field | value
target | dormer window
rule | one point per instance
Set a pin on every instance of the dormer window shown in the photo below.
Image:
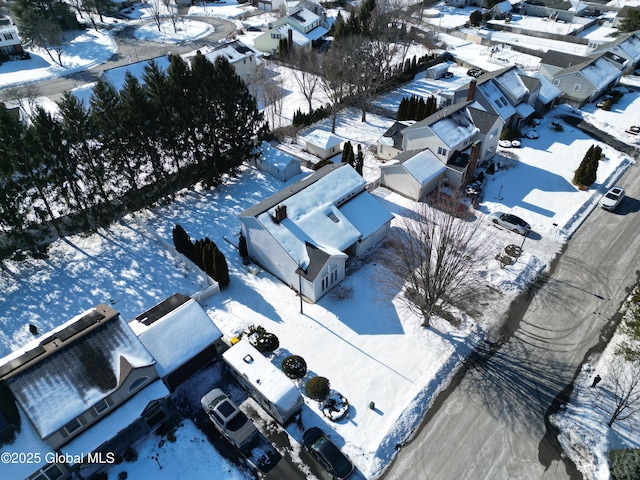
(138, 383)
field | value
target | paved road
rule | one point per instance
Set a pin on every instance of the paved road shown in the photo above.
(494, 425)
(131, 49)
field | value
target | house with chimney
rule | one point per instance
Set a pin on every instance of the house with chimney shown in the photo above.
(507, 92)
(444, 147)
(308, 233)
(300, 29)
(581, 79)
(89, 386)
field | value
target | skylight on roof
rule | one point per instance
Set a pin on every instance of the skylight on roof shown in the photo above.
(333, 217)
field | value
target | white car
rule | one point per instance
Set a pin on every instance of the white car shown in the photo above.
(505, 143)
(515, 143)
(612, 198)
(510, 222)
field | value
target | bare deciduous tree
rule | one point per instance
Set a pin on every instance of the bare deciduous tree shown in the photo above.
(306, 73)
(334, 78)
(435, 259)
(270, 95)
(624, 381)
(155, 10)
(25, 96)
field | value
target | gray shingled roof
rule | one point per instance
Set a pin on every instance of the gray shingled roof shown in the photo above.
(482, 119)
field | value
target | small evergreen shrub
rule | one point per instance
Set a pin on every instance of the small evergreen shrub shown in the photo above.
(123, 475)
(171, 436)
(321, 164)
(317, 388)
(262, 340)
(294, 366)
(625, 464)
(130, 454)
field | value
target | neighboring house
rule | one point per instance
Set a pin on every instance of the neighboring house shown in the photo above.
(115, 77)
(245, 60)
(451, 130)
(547, 96)
(622, 14)
(66, 382)
(307, 233)
(500, 10)
(556, 10)
(180, 337)
(626, 46)
(300, 29)
(9, 40)
(277, 163)
(321, 143)
(459, 137)
(507, 92)
(269, 5)
(583, 81)
(413, 173)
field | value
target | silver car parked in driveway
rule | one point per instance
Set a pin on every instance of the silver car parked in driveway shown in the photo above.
(510, 222)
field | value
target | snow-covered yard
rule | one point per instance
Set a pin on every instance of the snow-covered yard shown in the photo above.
(365, 344)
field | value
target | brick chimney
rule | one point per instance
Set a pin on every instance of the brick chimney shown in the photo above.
(472, 90)
(474, 156)
(281, 213)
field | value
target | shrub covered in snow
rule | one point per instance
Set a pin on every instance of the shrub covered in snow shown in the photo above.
(317, 388)
(335, 407)
(294, 366)
(262, 340)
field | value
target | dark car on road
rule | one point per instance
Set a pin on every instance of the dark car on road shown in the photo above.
(327, 453)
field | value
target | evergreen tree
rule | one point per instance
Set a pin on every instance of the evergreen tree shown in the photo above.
(221, 268)
(580, 176)
(359, 163)
(431, 105)
(403, 109)
(208, 253)
(631, 22)
(347, 151)
(421, 110)
(182, 242)
(412, 108)
(591, 170)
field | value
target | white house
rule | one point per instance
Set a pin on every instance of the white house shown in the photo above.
(9, 40)
(180, 337)
(626, 46)
(68, 380)
(300, 29)
(277, 163)
(306, 233)
(413, 174)
(321, 143)
(245, 60)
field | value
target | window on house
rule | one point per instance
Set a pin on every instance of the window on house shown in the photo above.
(442, 151)
(101, 406)
(8, 36)
(578, 87)
(72, 426)
(50, 472)
(556, 82)
(325, 283)
(138, 383)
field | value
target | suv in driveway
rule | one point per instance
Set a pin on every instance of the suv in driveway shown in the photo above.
(327, 453)
(612, 198)
(228, 418)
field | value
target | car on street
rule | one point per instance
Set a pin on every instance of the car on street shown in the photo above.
(612, 198)
(510, 222)
(327, 453)
(228, 418)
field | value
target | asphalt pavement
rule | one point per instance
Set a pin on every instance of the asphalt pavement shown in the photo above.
(493, 421)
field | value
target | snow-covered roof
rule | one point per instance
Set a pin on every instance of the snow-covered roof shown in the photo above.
(316, 33)
(261, 373)
(298, 38)
(502, 7)
(232, 51)
(366, 213)
(178, 336)
(322, 138)
(276, 157)
(548, 91)
(424, 166)
(78, 374)
(120, 418)
(631, 47)
(305, 17)
(454, 129)
(512, 83)
(524, 110)
(313, 216)
(499, 102)
(116, 76)
(601, 73)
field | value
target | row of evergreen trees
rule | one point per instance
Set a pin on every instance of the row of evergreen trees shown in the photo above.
(416, 108)
(204, 253)
(180, 125)
(586, 173)
(348, 156)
